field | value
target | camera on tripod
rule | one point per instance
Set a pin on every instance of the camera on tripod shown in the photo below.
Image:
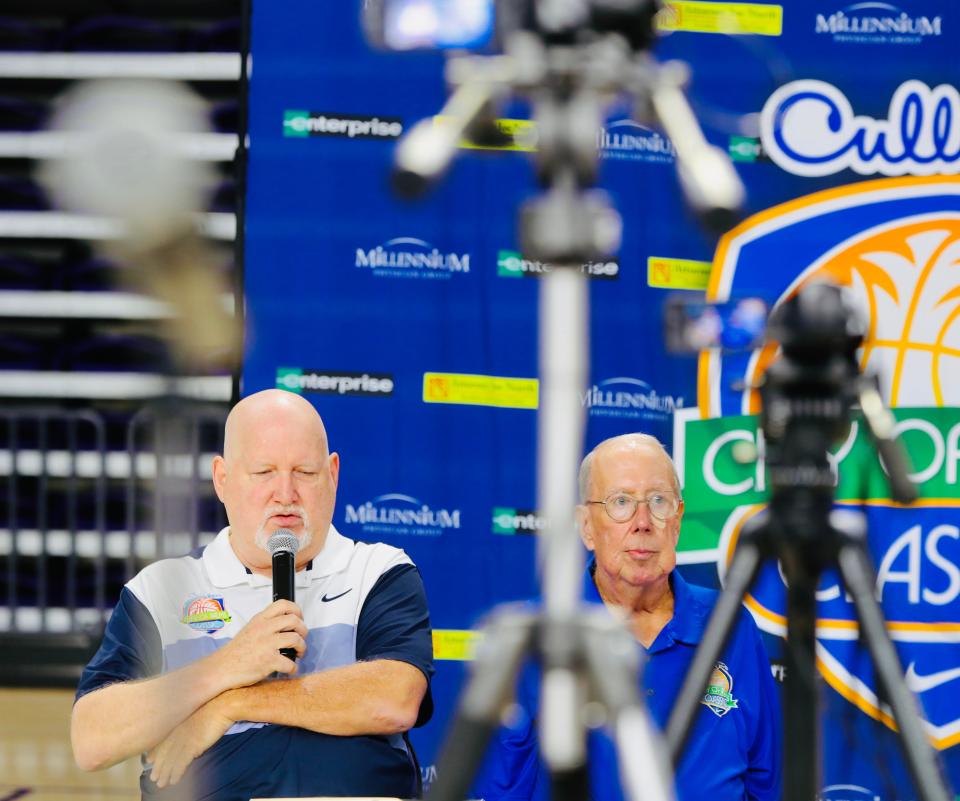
(485, 24)
(808, 395)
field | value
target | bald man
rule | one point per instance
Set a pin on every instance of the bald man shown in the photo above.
(185, 674)
(629, 515)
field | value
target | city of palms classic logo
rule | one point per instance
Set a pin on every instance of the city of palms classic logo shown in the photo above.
(895, 245)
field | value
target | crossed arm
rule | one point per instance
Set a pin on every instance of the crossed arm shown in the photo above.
(378, 697)
(178, 715)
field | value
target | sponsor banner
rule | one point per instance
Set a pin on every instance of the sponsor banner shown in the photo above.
(326, 382)
(877, 23)
(511, 264)
(409, 257)
(746, 149)
(623, 139)
(457, 645)
(481, 390)
(508, 520)
(629, 399)
(395, 513)
(762, 19)
(879, 223)
(810, 128)
(847, 792)
(350, 126)
(667, 273)
(717, 481)
(519, 135)
(628, 140)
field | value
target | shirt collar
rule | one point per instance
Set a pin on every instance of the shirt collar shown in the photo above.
(226, 570)
(690, 615)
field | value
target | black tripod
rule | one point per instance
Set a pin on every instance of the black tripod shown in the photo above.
(806, 400)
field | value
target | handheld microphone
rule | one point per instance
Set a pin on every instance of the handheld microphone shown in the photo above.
(283, 544)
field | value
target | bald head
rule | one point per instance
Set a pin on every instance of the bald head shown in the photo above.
(265, 408)
(276, 472)
(625, 443)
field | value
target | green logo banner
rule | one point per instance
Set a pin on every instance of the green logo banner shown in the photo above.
(715, 480)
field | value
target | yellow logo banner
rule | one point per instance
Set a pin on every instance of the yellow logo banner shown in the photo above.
(732, 18)
(456, 645)
(481, 390)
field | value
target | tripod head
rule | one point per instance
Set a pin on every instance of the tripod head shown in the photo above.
(572, 59)
(560, 22)
(807, 400)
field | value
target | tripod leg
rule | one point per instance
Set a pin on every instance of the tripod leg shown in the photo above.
(742, 572)
(612, 663)
(801, 708)
(859, 578)
(506, 641)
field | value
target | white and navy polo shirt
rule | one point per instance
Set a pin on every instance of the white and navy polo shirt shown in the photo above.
(360, 601)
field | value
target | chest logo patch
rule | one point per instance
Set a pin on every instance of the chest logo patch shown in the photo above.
(719, 695)
(205, 613)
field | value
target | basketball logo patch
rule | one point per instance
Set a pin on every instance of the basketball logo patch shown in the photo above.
(719, 695)
(205, 613)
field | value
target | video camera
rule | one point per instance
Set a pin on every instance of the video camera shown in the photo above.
(485, 24)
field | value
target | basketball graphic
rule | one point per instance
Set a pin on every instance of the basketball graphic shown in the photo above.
(204, 605)
(205, 613)
(905, 277)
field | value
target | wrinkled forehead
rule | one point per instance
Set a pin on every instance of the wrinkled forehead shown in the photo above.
(630, 465)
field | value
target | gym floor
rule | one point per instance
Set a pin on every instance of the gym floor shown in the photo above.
(36, 763)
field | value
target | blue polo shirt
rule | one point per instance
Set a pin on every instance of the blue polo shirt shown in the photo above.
(734, 750)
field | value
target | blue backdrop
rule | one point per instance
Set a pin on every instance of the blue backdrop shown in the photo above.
(413, 327)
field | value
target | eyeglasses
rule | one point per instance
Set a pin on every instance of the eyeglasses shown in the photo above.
(622, 507)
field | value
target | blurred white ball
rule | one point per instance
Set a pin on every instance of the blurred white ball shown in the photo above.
(126, 156)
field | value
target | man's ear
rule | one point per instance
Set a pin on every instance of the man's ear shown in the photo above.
(219, 469)
(583, 523)
(333, 465)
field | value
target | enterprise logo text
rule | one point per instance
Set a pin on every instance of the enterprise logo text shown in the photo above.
(296, 379)
(353, 126)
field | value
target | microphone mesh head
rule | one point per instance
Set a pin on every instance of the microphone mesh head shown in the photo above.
(283, 540)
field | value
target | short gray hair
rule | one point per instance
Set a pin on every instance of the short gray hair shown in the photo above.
(586, 466)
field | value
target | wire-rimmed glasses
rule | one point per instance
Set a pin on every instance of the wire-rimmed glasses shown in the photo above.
(621, 507)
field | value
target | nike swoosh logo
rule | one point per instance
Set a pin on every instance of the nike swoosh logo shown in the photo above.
(920, 684)
(327, 598)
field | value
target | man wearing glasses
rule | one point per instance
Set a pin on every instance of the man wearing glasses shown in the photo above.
(629, 517)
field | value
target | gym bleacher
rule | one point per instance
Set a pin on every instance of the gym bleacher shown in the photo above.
(104, 454)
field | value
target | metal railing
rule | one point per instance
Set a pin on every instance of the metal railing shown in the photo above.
(83, 509)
